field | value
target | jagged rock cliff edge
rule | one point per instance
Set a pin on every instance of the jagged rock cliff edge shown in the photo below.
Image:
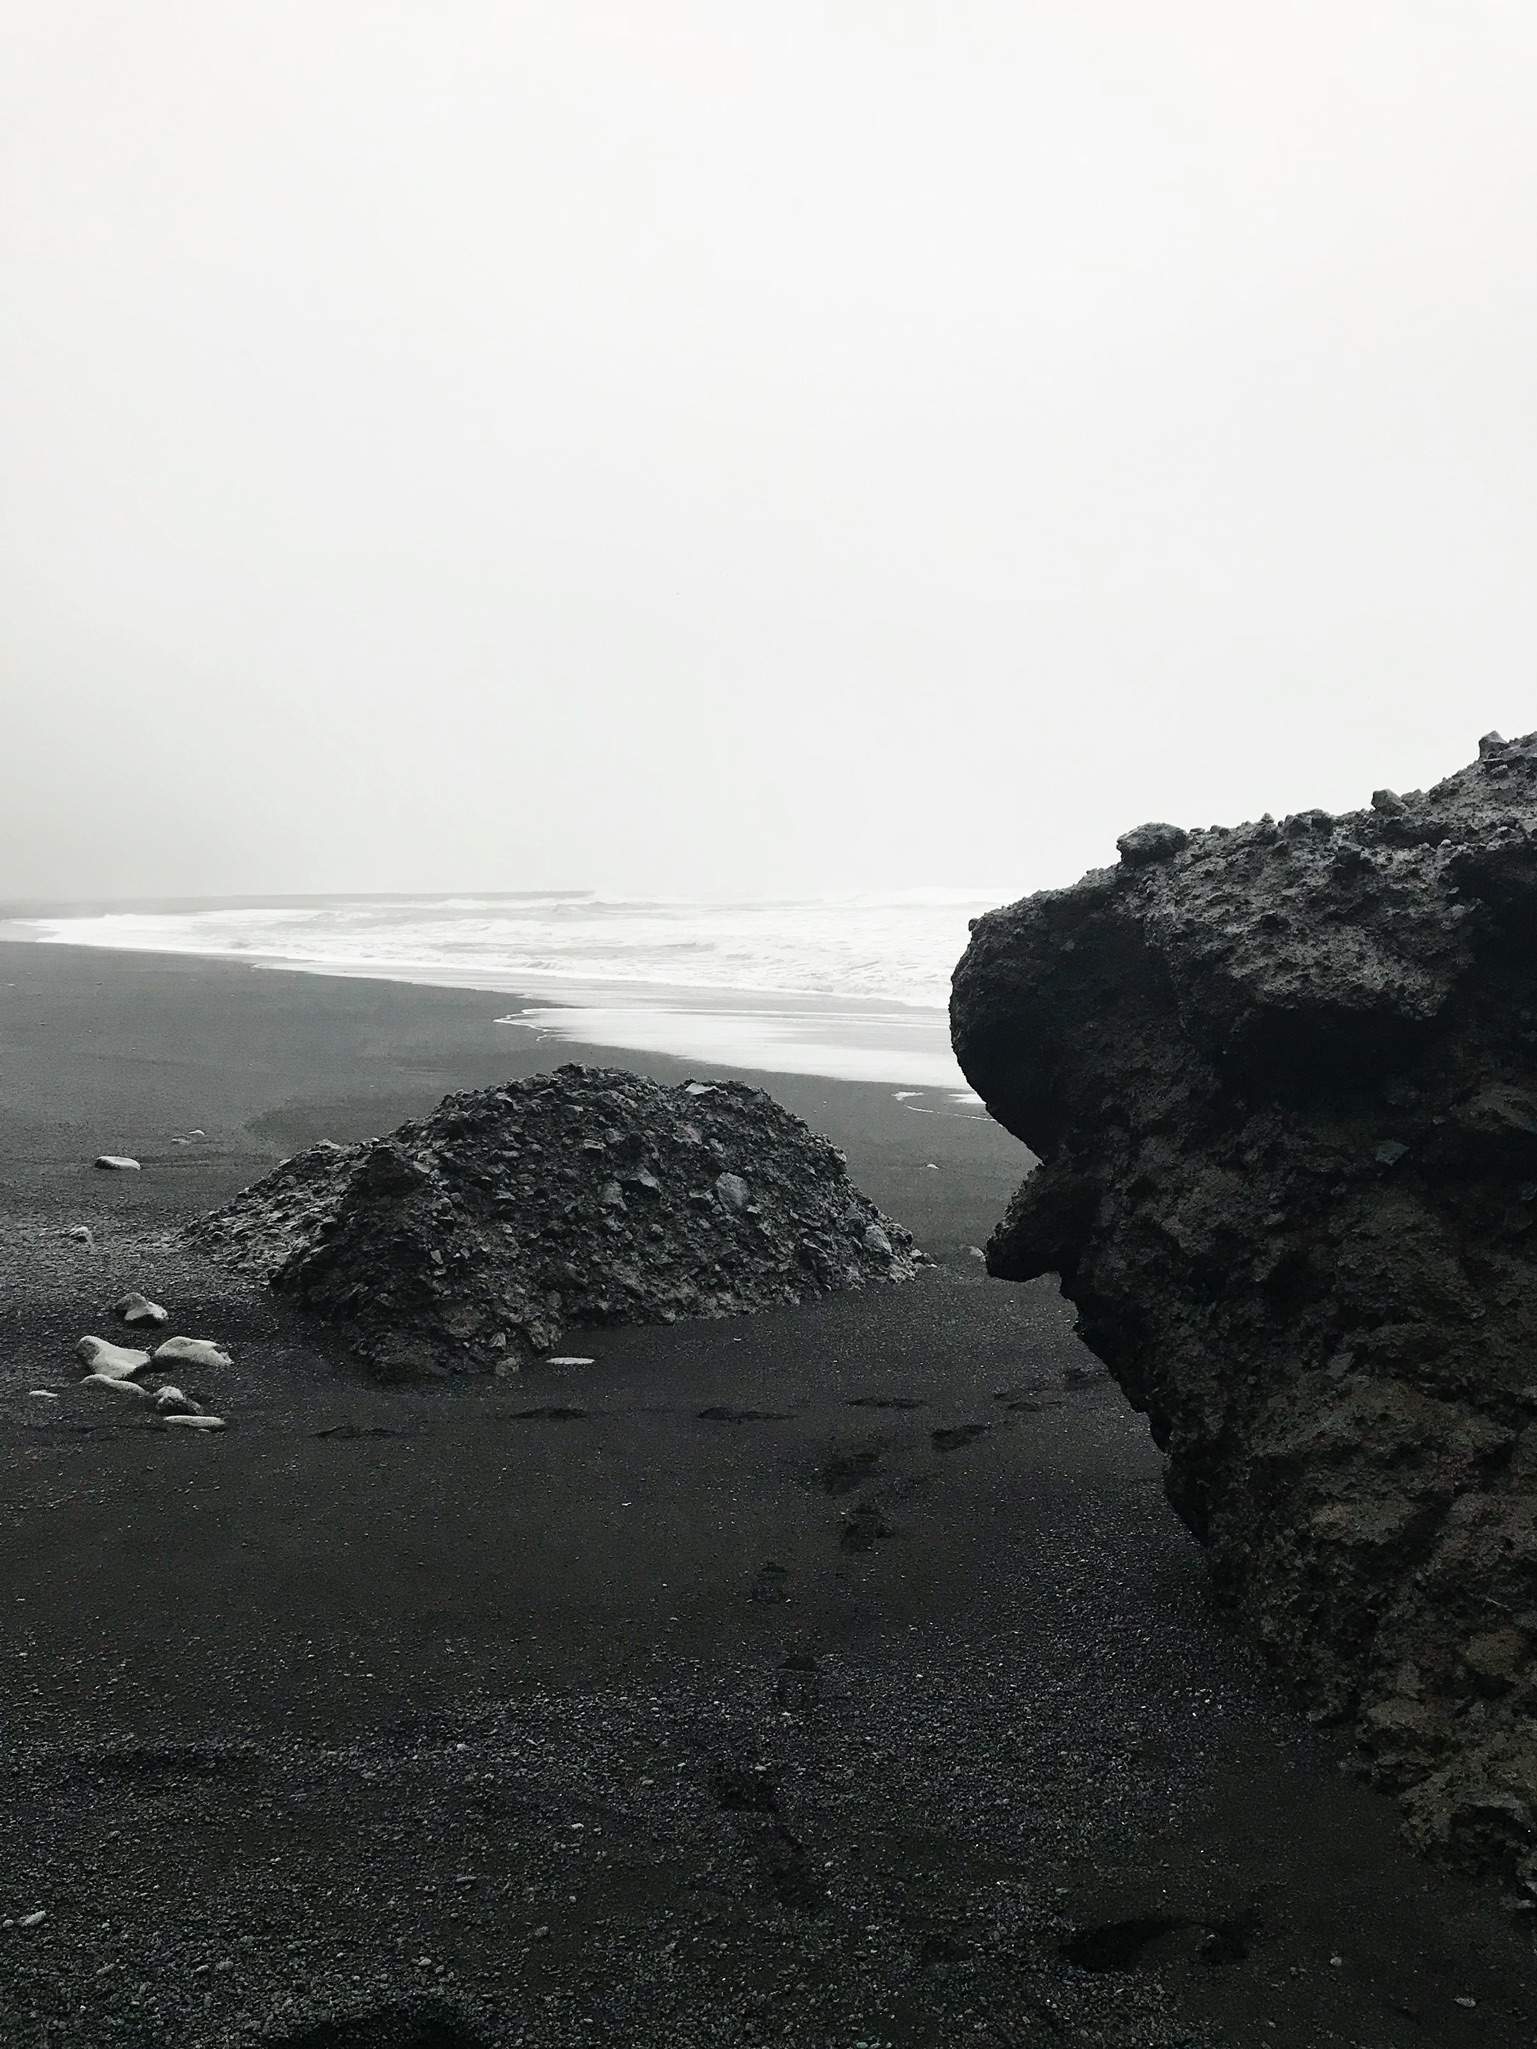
(1283, 1082)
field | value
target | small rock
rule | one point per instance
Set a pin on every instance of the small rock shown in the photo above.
(116, 1361)
(733, 1191)
(1147, 843)
(82, 1235)
(36, 1920)
(136, 1308)
(42, 1394)
(117, 1383)
(568, 1359)
(191, 1352)
(170, 1401)
(197, 1422)
(117, 1163)
(1390, 1152)
(1389, 803)
(875, 1240)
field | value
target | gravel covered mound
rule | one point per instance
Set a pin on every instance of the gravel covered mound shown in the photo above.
(467, 1240)
(1283, 1079)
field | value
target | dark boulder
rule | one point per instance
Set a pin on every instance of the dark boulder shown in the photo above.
(1283, 1082)
(468, 1239)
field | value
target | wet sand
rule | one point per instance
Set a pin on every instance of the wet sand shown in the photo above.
(829, 1677)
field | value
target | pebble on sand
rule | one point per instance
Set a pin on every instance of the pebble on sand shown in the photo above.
(43, 1394)
(137, 1308)
(170, 1401)
(198, 1422)
(116, 1362)
(568, 1359)
(118, 1163)
(117, 1383)
(82, 1235)
(191, 1352)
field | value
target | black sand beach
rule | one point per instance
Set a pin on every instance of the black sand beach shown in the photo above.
(833, 1677)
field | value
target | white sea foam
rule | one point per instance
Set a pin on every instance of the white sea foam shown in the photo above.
(646, 974)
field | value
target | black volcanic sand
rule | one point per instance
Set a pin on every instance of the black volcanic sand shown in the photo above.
(831, 1677)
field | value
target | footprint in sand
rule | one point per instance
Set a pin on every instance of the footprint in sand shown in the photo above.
(843, 1471)
(770, 1584)
(957, 1434)
(864, 1526)
(721, 1413)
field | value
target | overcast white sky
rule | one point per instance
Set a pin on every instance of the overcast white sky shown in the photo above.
(685, 446)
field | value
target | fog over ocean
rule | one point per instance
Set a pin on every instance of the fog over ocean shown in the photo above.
(850, 985)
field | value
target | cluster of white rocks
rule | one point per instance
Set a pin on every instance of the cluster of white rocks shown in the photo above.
(119, 1370)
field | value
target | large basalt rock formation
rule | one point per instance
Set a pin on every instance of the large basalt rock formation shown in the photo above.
(468, 1239)
(1283, 1082)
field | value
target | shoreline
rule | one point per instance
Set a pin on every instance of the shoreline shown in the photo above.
(371, 1052)
(497, 1674)
(767, 1030)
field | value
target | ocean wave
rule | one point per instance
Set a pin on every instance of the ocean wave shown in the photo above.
(895, 947)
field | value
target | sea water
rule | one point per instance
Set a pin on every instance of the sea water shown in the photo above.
(853, 985)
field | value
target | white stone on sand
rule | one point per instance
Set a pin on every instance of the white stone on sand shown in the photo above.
(117, 1362)
(118, 1163)
(568, 1359)
(170, 1401)
(136, 1308)
(116, 1383)
(191, 1352)
(42, 1394)
(198, 1422)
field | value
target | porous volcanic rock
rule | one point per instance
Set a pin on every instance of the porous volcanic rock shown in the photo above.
(468, 1239)
(1283, 1082)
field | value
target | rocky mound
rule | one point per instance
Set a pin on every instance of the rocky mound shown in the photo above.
(1283, 1080)
(467, 1240)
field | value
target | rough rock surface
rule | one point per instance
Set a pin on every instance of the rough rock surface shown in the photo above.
(1283, 1080)
(469, 1238)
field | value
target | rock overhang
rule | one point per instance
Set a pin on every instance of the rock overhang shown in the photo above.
(1283, 1081)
